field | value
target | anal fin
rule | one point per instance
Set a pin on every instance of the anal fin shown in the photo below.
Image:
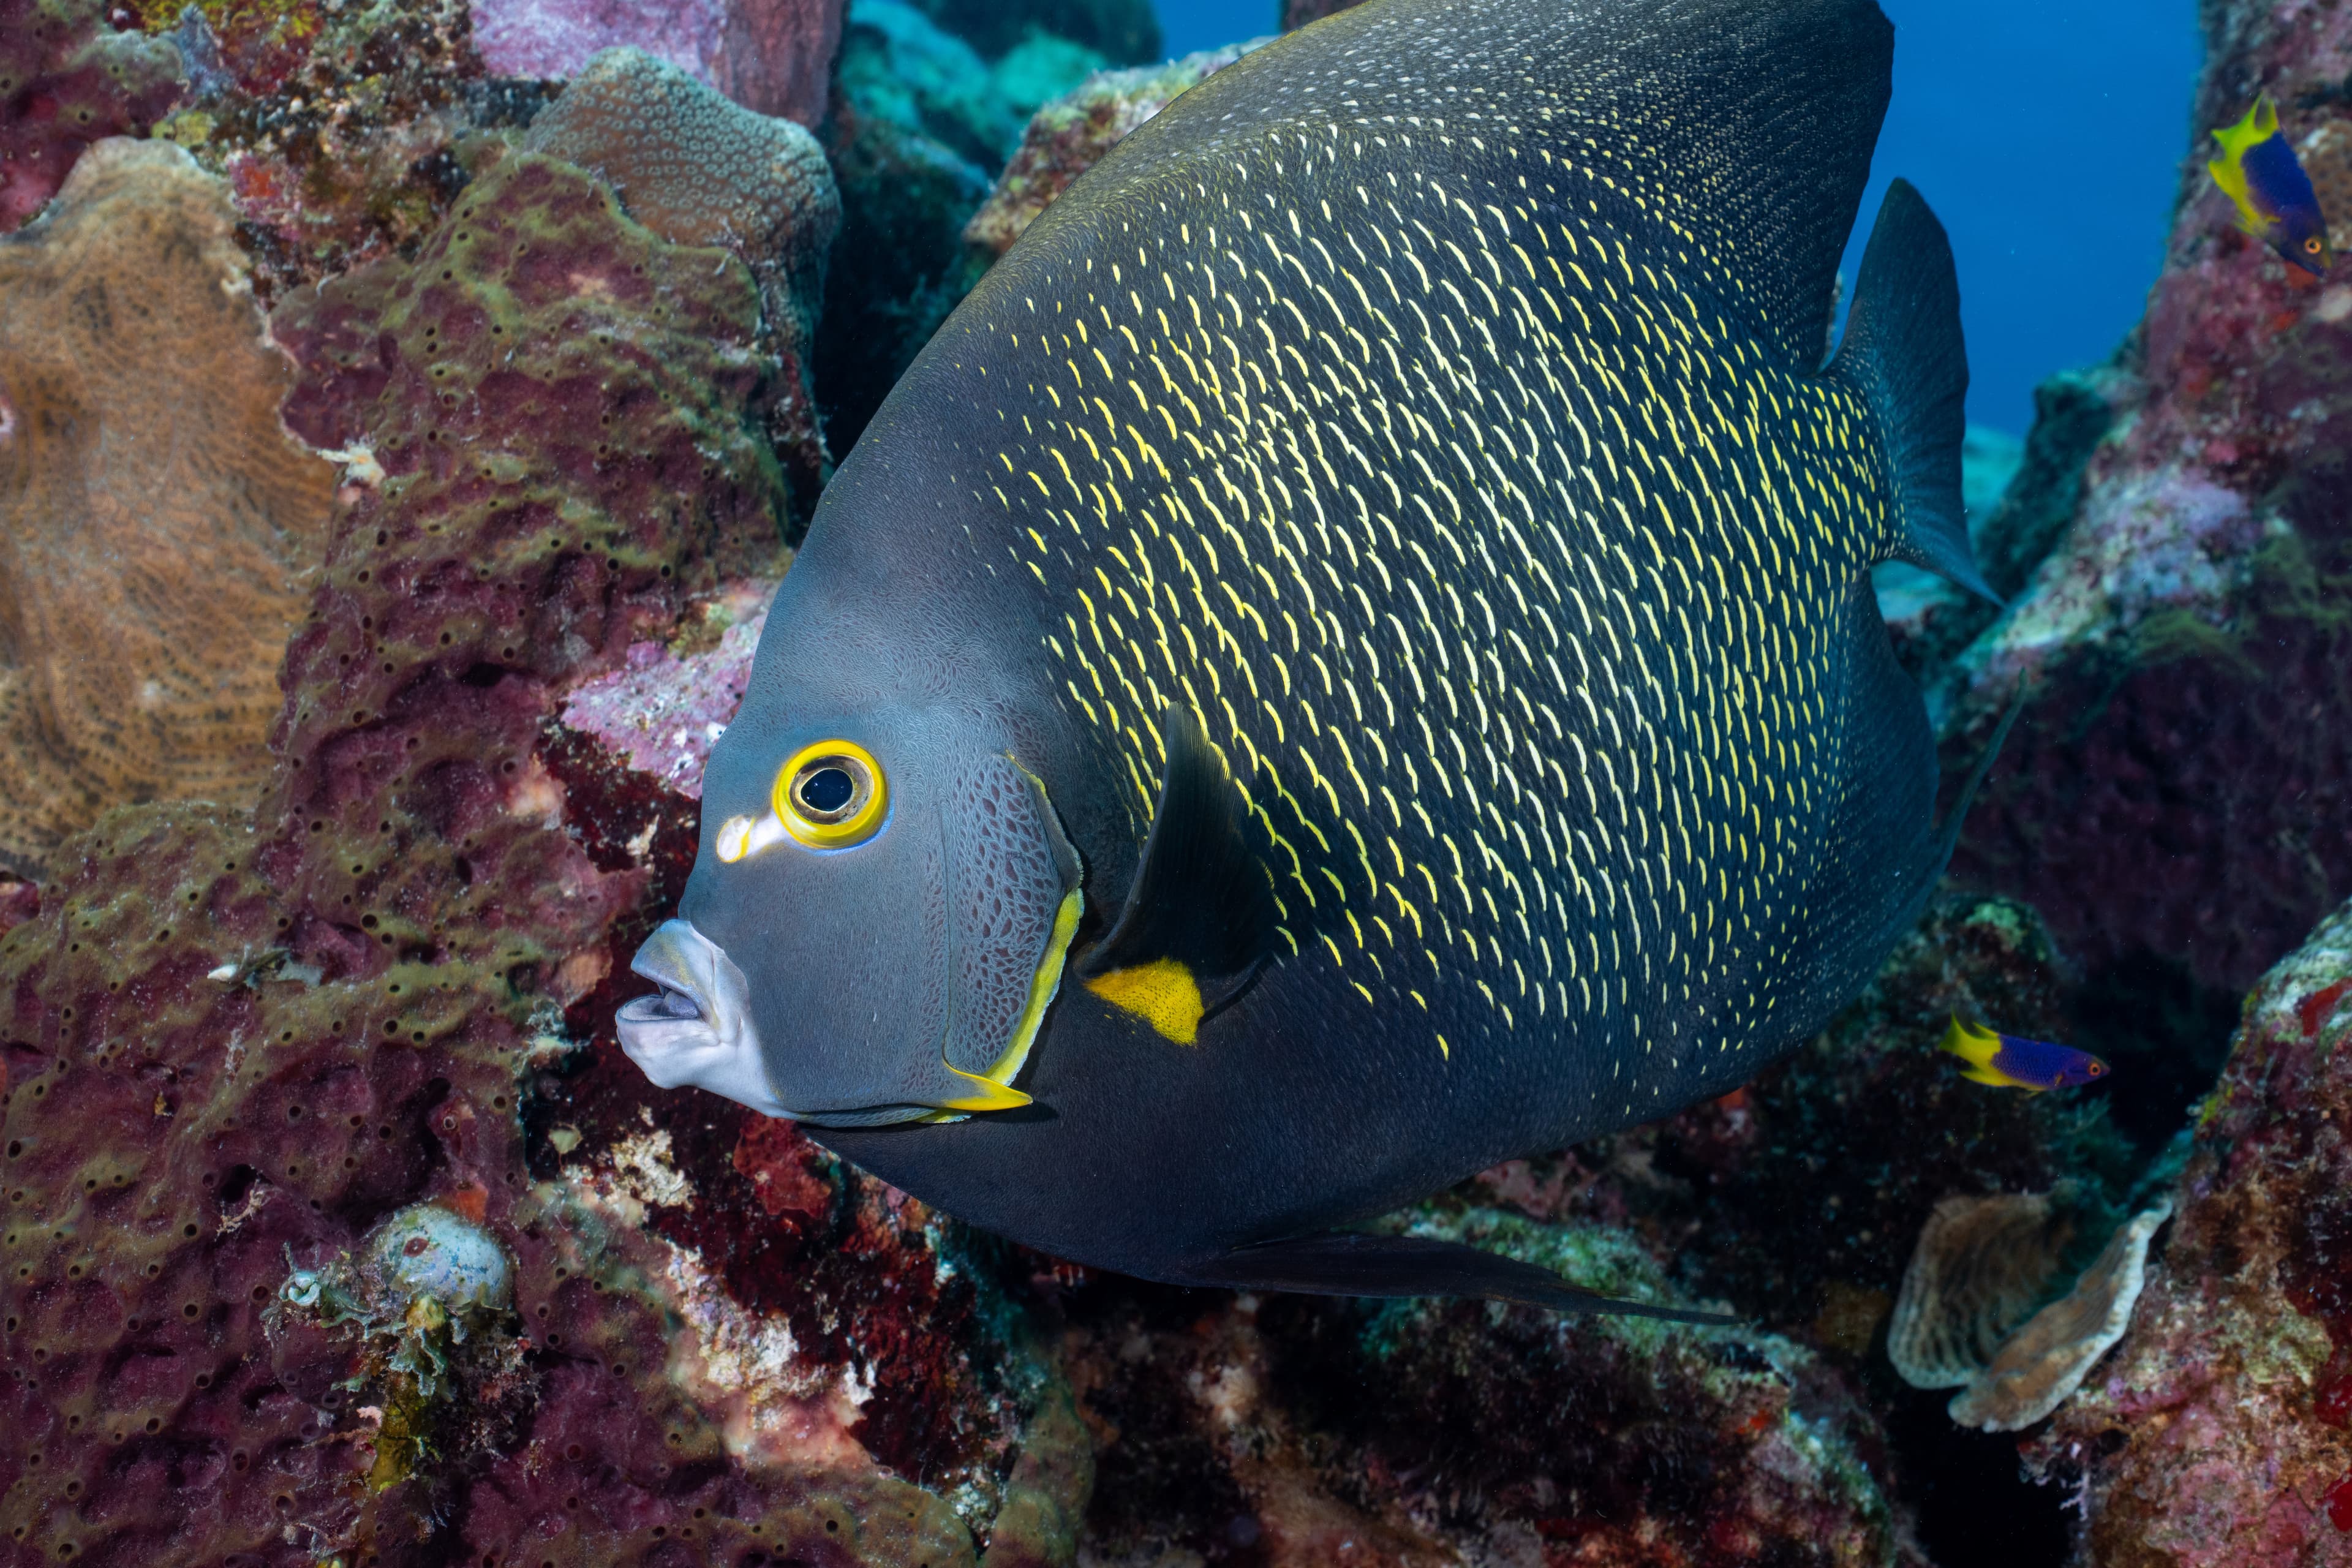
(1349, 1263)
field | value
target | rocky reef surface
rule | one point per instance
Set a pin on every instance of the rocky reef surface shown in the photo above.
(337, 1230)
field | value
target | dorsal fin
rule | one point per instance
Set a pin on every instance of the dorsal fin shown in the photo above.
(1201, 908)
(1746, 126)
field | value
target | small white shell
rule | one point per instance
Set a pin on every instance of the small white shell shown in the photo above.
(425, 1250)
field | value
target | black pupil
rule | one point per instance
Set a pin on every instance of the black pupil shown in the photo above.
(827, 790)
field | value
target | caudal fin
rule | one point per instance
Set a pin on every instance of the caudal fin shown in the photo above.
(1904, 354)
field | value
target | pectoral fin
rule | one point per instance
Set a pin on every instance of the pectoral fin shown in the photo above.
(1201, 917)
(1348, 1264)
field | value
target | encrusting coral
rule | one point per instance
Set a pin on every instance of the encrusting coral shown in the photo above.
(67, 79)
(139, 433)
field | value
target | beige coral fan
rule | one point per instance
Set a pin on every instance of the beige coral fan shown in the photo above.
(155, 519)
(1981, 1267)
(2044, 1362)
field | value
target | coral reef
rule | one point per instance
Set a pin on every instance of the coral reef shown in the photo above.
(2217, 1434)
(234, 1035)
(699, 170)
(897, 65)
(905, 200)
(1801, 1194)
(117, 684)
(338, 1227)
(67, 79)
(1291, 1431)
(1065, 137)
(2171, 798)
(772, 57)
(337, 127)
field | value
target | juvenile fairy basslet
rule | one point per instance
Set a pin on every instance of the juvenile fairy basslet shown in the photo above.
(1351, 657)
(2012, 1061)
(2259, 170)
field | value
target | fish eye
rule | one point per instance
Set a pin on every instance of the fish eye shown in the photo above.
(2312, 245)
(832, 794)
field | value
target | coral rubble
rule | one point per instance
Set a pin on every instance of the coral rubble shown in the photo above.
(139, 432)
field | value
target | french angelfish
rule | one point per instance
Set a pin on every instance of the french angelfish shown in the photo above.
(2259, 171)
(2012, 1061)
(1351, 656)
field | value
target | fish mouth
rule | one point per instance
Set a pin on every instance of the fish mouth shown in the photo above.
(697, 1029)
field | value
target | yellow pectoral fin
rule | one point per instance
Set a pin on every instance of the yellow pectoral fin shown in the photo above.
(987, 1094)
(1162, 993)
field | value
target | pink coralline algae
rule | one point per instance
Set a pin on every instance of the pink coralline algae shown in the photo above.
(661, 712)
(2175, 789)
(774, 56)
(68, 77)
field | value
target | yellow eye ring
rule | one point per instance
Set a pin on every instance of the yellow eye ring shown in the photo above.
(832, 794)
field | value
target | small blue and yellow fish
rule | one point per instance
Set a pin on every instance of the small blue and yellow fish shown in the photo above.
(2010, 1061)
(2259, 170)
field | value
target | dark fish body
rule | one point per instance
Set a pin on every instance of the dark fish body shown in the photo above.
(1391, 533)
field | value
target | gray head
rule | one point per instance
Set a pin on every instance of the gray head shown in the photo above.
(879, 911)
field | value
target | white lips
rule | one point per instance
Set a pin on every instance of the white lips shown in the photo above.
(698, 1029)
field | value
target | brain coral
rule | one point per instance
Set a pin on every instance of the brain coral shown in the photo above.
(698, 170)
(139, 440)
(68, 80)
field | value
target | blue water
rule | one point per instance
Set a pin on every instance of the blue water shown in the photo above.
(2047, 136)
